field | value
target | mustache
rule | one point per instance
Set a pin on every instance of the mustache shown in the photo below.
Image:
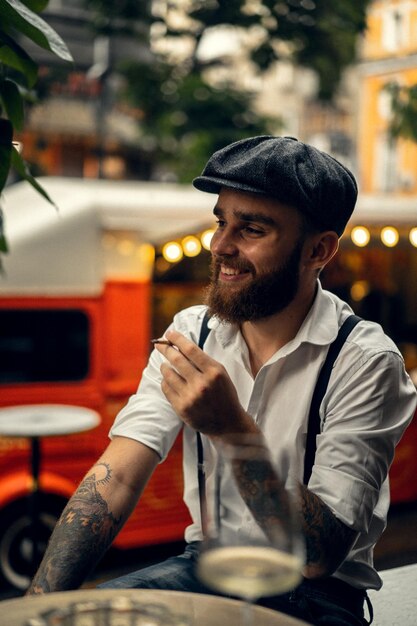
(233, 264)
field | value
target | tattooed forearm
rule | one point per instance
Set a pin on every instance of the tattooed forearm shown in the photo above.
(264, 495)
(82, 535)
(328, 540)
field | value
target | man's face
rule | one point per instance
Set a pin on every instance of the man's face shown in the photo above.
(256, 254)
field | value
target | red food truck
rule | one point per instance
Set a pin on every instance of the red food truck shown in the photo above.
(82, 289)
(75, 323)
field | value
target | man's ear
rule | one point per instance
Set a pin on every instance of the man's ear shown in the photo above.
(320, 248)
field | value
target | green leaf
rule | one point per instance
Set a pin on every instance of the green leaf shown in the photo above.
(36, 5)
(3, 242)
(6, 136)
(14, 56)
(3, 247)
(403, 122)
(22, 169)
(30, 24)
(12, 102)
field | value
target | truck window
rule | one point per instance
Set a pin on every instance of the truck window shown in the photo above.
(43, 345)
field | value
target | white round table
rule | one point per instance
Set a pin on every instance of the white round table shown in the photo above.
(34, 421)
(46, 420)
(200, 609)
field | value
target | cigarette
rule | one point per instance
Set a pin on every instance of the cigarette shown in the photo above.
(165, 342)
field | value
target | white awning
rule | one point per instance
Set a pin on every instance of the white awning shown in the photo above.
(58, 251)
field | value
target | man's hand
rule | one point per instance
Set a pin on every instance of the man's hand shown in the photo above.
(200, 390)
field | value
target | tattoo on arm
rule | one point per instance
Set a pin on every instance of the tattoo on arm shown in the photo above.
(264, 495)
(328, 540)
(83, 533)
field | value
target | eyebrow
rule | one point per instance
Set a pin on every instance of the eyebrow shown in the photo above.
(247, 216)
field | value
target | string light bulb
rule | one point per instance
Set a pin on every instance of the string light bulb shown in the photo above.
(360, 236)
(206, 237)
(172, 252)
(413, 236)
(389, 236)
(191, 246)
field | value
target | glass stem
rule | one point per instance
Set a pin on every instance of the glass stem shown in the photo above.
(247, 613)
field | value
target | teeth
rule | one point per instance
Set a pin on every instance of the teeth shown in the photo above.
(229, 271)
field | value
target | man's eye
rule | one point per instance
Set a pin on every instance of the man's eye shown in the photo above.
(220, 223)
(252, 230)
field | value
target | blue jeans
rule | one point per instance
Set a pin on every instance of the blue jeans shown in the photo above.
(320, 602)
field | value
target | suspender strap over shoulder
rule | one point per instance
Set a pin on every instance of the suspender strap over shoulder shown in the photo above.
(319, 391)
(204, 331)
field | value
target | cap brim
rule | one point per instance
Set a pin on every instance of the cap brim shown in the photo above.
(214, 185)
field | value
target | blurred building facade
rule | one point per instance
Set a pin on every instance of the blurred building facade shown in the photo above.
(81, 129)
(78, 128)
(388, 55)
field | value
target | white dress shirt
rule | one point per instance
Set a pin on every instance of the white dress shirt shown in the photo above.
(368, 404)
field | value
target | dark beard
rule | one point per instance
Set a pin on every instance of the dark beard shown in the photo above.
(262, 297)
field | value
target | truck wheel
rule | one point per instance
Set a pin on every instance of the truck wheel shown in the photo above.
(16, 565)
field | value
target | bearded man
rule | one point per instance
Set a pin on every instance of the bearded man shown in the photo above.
(282, 206)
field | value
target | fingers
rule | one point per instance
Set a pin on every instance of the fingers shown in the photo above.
(171, 383)
(189, 378)
(178, 372)
(190, 350)
(182, 353)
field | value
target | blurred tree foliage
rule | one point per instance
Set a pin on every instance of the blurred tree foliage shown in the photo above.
(189, 105)
(403, 122)
(20, 21)
(320, 35)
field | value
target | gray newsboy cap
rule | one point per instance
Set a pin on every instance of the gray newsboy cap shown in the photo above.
(288, 170)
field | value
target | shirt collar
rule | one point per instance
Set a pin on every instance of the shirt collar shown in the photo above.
(321, 324)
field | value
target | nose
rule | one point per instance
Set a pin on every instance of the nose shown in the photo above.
(223, 243)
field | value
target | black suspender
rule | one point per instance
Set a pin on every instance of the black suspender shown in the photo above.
(313, 428)
(204, 331)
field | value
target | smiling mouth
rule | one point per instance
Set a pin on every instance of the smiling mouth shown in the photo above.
(230, 273)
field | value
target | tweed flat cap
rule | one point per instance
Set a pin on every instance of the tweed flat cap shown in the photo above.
(288, 170)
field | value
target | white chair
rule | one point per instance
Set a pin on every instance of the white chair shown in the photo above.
(395, 604)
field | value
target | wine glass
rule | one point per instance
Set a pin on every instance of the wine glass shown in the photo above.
(253, 544)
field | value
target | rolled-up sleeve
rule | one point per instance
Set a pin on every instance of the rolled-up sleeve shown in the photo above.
(148, 417)
(364, 416)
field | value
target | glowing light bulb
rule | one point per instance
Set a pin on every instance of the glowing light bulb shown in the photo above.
(360, 236)
(206, 238)
(191, 246)
(389, 236)
(146, 253)
(413, 236)
(359, 290)
(172, 252)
